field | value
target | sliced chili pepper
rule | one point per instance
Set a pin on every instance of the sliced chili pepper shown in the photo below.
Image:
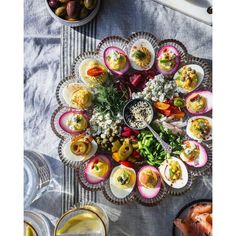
(95, 71)
(127, 164)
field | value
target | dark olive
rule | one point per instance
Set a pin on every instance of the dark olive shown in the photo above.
(53, 3)
(90, 4)
(83, 13)
(72, 9)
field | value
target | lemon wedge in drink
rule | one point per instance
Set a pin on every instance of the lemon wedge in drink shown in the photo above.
(30, 231)
(81, 224)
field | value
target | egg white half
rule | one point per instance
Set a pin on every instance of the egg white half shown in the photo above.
(83, 69)
(145, 43)
(206, 94)
(164, 171)
(68, 91)
(72, 157)
(201, 160)
(118, 192)
(191, 135)
(149, 192)
(200, 73)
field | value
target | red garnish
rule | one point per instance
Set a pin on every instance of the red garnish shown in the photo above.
(126, 134)
(127, 164)
(94, 163)
(136, 154)
(135, 80)
(95, 71)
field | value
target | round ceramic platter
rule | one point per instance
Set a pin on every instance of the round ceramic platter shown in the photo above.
(183, 212)
(80, 165)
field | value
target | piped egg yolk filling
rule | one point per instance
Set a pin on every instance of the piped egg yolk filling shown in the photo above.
(81, 98)
(200, 128)
(197, 103)
(95, 73)
(174, 170)
(116, 60)
(141, 56)
(124, 178)
(148, 179)
(187, 78)
(77, 122)
(191, 151)
(167, 60)
(99, 168)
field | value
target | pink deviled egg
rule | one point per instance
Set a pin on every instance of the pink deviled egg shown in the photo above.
(74, 121)
(199, 102)
(148, 182)
(168, 60)
(116, 60)
(98, 169)
(194, 154)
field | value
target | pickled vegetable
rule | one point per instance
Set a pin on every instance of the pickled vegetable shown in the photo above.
(60, 11)
(84, 13)
(90, 4)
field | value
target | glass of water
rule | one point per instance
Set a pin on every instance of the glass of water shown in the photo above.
(88, 220)
(35, 224)
(37, 176)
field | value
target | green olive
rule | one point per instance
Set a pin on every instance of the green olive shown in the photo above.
(60, 11)
(83, 13)
(90, 4)
(63, 1)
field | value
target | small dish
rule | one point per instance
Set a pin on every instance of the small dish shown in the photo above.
(184, 212)
(73, 22)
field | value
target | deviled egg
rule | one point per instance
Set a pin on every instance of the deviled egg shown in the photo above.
(142, 55)
(92, 72)
(189, 77)
(199, 102)
(194, 154)
(80, 148)
(199, 128)
(77, 95)
(168, 59)
(174, 172)
(148, 182)
(122, 181)
(98, 169)
(73, 122)
(116, 60)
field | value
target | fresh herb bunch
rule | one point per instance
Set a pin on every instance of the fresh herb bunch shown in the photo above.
(152, 150)
(109, 99)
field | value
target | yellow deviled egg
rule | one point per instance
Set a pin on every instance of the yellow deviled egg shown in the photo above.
(174, 172)
(92, 72)
(122, 181)
(77, 95)
(142, 55)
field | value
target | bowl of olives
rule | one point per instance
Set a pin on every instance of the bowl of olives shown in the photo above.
(73, 12)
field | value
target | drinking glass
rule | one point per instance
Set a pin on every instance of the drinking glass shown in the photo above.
(37, 222)
(37, 176)
(86, 219)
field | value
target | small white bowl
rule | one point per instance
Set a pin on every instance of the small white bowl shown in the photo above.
(74, 23)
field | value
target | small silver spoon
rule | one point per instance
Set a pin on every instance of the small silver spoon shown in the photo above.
(165, 145)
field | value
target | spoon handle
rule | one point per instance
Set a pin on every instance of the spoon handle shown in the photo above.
(165, 145)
